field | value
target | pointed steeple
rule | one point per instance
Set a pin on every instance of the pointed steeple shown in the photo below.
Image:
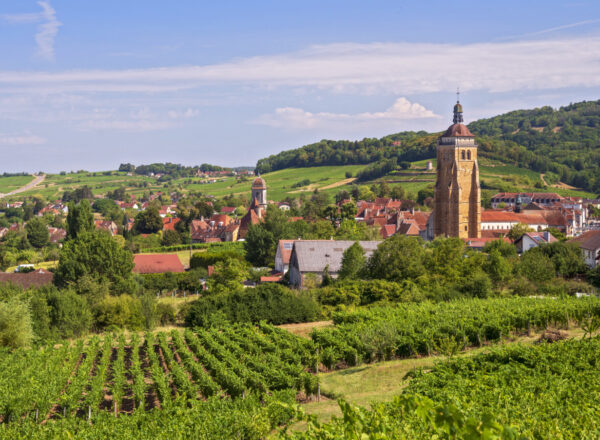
(458, 118)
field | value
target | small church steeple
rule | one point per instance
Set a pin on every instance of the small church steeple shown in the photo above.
(458, 117)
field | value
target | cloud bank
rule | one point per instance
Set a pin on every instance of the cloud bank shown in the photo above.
(296, 118)
(399, 68)
(46, 31)
(16, 140)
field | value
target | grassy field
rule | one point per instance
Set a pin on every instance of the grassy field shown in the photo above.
(281, 184)
(8, 184)
(42, 265)
(55, 184)
(379, 382)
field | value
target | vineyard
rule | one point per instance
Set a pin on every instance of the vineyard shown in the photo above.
(123, 376)
(415, 329)
(546, 391)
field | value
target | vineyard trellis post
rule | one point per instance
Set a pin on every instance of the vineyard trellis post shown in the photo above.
(317, 374)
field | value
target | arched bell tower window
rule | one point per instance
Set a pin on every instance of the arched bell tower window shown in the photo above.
(469, 155)
(462, 154)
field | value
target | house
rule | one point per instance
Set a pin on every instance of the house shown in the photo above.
(219, 227)
(533, 239)
(157, 263)
(56, 234)
(169, 223)
(283, 255)
(509, 200)
(166, 210)
(3, 232)
(313, 256)
(128, 205)
(492, 220)
(479, 243)
(589, 242)
(107, 225)
(37, 278)
(229, 210)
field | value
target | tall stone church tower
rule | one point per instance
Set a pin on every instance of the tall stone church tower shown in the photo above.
(457, 199)
(259, 196)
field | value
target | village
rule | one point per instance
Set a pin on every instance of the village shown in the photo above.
(525, 219)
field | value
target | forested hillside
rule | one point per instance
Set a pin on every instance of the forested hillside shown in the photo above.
(563, 143)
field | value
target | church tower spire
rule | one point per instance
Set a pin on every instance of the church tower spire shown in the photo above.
(458, 111)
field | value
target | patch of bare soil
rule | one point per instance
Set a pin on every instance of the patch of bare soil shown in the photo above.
(552, 335)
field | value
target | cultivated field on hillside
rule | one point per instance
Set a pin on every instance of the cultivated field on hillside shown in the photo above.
(10, 183)
(290, 182)
(124, 375)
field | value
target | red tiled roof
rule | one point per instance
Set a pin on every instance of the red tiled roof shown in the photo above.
(259, 183)
(228, 209)
(588, 240)
(221, 218)
(408, 227)
(553, 218)
(169, 223)
(270, 279)
(157, 263)
(37, 278)
(480, 242)
(534, 196)
(387, 231)
(458, 130)
(285, 253)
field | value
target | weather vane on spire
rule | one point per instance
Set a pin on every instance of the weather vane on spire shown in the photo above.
(457, 94)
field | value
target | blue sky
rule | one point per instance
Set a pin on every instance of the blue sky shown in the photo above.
(89, 85)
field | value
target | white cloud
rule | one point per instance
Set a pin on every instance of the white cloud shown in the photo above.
(296, 118)
(399, 68)
(47, 31)
(16, 140)
(32, 17)
(137, 126)
(109, 119)
(47, 28)
(184, 114)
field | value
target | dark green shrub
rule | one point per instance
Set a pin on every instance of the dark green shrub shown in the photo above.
(269, 302)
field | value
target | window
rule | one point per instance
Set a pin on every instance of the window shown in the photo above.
(469, 154)
(462, 154)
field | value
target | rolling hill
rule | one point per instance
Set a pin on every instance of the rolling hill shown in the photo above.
(563, 144)
(523, 150)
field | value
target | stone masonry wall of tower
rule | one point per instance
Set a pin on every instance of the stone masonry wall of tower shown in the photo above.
(457, 199)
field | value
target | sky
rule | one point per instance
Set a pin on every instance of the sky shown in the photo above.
(89, 85)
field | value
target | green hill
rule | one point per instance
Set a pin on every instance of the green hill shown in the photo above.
(524, 150)
(563, 144)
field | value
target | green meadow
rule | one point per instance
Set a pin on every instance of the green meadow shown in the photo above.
(8, 184)
(291, 182)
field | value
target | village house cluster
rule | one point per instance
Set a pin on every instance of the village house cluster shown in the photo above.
(457, 212)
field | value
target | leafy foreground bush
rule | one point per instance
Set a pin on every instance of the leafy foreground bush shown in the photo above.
(413, 329)
(393, 420)
(216, 418)
(269, 302)
(547, 391)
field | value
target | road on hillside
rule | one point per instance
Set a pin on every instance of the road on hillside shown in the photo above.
(35, 182)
